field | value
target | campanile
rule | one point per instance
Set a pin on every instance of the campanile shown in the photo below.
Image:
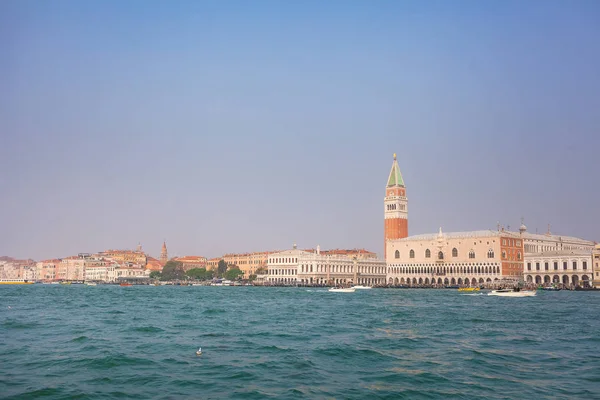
(395, 206)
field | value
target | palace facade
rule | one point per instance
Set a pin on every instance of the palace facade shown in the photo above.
(455, 258)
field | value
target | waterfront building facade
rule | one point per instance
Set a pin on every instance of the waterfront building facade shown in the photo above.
(395, 207)
(46, 270)
(71, 269)
(566, 267)
(455, 258)
(596, 266)
(314, 268)
(557, 259)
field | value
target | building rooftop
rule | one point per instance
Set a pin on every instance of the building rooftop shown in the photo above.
(558, 238)
(561, 253)
(460, 235)
(395, 178)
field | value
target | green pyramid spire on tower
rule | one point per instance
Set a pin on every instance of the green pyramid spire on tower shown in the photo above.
(395, 178)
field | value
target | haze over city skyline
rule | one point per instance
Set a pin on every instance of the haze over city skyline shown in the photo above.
(237, 127)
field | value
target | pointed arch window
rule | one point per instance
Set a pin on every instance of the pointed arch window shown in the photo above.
(427, 253)
(397, 254)
(519, 256)
(412, 253)
(454, 252)
(490, 253)
(440, 255)
(471, 254)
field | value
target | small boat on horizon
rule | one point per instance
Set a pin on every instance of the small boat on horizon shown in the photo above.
(512, 293)
(361, 287)
(469, 289)
(125, 284)
(342, 290)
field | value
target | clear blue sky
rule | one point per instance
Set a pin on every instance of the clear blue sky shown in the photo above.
(227, 126)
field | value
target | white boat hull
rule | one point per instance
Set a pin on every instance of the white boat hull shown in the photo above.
(523, 293)
(342, 290)
(360, 287)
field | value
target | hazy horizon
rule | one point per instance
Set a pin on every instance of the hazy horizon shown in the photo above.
(237, 127)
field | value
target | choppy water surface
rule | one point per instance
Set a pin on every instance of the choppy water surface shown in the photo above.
(109, 341)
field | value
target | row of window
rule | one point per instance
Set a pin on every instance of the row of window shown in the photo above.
(392, 207)
(342, 269)
(565, 266)
(454, 254)
(333, 269)
(280, 260)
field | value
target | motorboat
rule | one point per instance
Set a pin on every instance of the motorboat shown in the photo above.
(90, 283)
(469, 289)
(361, 287)
(512, 293)
(342, 290)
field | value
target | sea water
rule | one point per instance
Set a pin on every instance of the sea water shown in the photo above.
(139, 342)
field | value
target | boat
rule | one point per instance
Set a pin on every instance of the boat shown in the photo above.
(468, 289)
(512, 293)
(15, 282)
(342, 290)
(585, 288)
(65, 283)
(361, 287)
(91, 283)
(125, 284)
(549, 288)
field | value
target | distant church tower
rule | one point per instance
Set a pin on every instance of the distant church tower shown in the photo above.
(164, 256)
(396, 206)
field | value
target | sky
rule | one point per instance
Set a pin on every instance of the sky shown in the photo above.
(236, 126)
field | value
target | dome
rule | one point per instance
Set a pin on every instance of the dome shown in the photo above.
(522, 228)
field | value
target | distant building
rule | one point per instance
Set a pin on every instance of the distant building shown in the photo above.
(455, 258)
(395, 207)
(46, 270)
(125, 256)
(304, 267)
(213, 263)
(248, 263)
(71, 269)
(153, 264)
(191, 262)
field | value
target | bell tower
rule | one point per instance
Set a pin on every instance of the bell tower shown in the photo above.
(164, 255)
(395, 207)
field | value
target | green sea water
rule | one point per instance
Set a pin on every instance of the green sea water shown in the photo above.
(61, 342)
